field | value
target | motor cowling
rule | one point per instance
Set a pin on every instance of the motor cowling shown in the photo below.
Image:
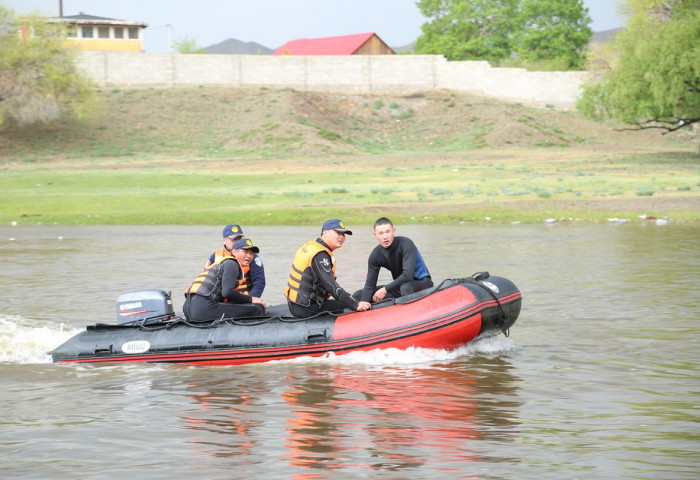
(143, 304)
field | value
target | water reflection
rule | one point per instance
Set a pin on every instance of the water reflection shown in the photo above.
(601, 379)
(345, 417)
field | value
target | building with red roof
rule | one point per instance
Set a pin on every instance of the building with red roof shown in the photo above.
(357, 44)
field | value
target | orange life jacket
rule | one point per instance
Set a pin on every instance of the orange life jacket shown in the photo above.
(302, 286)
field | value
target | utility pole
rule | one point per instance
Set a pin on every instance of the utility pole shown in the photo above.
(60, 8)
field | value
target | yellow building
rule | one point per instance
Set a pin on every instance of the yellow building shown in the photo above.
(87, 32)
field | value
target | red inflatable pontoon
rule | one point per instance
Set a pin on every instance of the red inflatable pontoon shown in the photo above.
(454, 313)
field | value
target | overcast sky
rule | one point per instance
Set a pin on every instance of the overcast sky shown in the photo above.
(270, 23)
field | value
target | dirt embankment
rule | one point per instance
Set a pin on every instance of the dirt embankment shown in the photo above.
(226, 123)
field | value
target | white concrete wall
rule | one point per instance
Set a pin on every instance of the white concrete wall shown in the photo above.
(361, 73)
(272, 71)
(334, 73)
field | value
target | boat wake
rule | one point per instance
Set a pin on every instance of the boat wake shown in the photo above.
(29, 341)
(495, 345)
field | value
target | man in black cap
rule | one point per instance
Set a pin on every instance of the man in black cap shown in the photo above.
(232, 233)
(244, 251)
(312, 279)
(216, 292)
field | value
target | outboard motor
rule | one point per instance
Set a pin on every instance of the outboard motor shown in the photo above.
(143, 304)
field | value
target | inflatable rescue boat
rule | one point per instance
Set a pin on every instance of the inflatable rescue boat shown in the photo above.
(447, 316)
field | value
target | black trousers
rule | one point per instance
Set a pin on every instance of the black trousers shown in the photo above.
(406, 288)
(198, 308)
(412, 287)
(300, 311)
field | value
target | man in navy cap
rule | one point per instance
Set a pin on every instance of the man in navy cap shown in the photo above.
(312, 278)
(233, 233)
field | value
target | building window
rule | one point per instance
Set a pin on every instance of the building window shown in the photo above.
(86, 32)
(118, 32)
(133, 33)
(72, 31)
(103, 32)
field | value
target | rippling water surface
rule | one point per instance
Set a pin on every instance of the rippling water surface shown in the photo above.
(599, 378)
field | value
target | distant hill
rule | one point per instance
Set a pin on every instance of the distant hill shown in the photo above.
(605, 36)
(237, 47)
(410, 48)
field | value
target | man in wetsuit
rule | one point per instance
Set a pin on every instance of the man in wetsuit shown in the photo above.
(400, 256)
(312, 279)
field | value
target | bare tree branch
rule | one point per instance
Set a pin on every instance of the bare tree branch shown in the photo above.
(654, 124)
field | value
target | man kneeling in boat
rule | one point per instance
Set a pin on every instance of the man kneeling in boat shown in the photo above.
(401, 257)
(221, 289)
(312, 279)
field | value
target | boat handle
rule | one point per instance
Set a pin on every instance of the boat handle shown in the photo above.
(317, 335)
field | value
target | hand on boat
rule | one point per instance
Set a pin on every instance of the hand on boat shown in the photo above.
(379, 295)
(260, 301)
(362, 306)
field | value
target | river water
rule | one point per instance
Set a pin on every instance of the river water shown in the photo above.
(599, 378)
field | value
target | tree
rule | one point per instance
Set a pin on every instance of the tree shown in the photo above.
(541, 33)
(656, 81)
(467, 29)
(187, 45)
(553, 31)
(39, 81)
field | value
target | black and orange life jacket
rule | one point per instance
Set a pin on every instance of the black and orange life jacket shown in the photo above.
(244, 284)
(209, 282)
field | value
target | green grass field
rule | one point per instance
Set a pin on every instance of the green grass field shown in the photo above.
(505, 190)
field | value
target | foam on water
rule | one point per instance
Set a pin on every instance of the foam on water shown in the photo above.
(412, 356)
(29, 341)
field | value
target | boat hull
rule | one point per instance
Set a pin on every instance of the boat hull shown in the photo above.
(448, 316)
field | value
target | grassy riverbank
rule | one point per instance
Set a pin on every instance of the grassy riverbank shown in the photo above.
(263, 157)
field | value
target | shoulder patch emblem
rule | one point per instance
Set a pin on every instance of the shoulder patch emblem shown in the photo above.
(326, 264)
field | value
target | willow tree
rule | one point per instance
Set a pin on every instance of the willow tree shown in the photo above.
(39, 81)
(656, 81)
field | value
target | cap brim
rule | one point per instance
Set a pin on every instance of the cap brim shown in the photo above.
(255, 249)
(342, 230)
